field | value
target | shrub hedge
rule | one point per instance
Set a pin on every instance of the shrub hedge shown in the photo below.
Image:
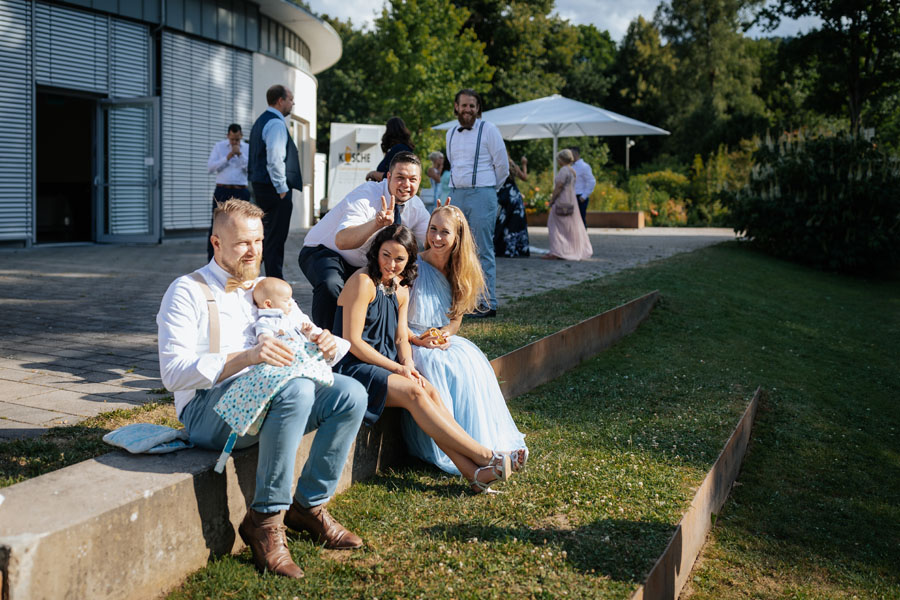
(830, 201)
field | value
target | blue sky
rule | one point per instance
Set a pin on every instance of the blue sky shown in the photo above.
(611, 15)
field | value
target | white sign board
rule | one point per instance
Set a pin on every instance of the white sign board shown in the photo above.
(354, 151)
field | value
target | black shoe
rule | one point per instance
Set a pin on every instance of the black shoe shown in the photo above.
(483, 314)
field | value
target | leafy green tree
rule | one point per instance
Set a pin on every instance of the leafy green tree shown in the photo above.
(529, 49)
(423, 55)
(590, 77)
(644, 72)
(857, 50)
(345, 90)
(714, 87)
(410, 65)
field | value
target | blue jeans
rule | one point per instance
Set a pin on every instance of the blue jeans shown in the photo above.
(300, 407)
(479, 205)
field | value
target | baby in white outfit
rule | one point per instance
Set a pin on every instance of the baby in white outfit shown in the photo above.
(274, 299)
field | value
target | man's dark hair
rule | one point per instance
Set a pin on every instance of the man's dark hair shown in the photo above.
(274, 93)
(407, 158)
(396, 132)
(469, 92)
(575, 149)
(234, 128)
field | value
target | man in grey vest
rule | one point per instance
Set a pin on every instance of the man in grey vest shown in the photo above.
(479, 166)
(274, 171)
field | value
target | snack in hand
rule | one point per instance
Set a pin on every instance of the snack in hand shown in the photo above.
(439, 336)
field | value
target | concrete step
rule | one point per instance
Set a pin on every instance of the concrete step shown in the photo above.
(122, 526)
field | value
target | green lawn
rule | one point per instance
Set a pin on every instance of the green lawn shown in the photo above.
(619, 443)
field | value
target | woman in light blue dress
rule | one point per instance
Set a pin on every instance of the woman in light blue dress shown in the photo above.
(371, 315)
(449, 285)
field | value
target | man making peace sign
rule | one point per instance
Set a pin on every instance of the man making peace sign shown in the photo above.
(336, 246)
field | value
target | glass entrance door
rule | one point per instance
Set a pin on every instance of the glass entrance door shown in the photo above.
(127, 184)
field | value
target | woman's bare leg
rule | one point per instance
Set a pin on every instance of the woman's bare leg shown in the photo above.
(434, 419)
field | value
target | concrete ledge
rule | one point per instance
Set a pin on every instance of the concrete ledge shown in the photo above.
(123, 526)
(541, 361)
(671, 571)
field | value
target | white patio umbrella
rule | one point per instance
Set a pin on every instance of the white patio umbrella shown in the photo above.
(556, 117)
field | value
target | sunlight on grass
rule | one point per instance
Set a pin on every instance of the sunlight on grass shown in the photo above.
(619, 444)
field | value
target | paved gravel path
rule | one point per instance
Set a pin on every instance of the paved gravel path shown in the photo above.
(78, 330)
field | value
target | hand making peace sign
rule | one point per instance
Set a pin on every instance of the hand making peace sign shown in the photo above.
(385, 216)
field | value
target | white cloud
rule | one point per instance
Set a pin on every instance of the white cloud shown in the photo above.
(610, 15)
(361, 12)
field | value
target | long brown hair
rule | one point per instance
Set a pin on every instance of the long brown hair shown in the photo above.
(464, 273)
(396, 132)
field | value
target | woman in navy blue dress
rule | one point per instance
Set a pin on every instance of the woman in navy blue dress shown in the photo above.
(371, 315)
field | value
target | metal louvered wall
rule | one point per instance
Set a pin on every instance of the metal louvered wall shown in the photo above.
(129, 143)
(129, 133)
(130, 61)
(205, 87)
(71, 48)
(16, 106)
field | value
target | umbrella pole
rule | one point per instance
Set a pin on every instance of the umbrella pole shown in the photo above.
(555, 142)
(627, 146)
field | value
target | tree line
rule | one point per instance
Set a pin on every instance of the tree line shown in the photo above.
(689, 69)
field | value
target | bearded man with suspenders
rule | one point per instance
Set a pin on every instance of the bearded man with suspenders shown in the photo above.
(478, 167)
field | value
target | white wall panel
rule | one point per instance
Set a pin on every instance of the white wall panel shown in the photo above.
(205, 87)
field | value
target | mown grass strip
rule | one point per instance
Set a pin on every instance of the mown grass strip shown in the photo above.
(63, 446)
(619, 444)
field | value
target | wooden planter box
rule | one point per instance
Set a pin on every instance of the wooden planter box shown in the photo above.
(615, 219)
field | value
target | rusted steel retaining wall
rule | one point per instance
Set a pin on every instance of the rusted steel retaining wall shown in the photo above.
(668, 576)
(539, 362)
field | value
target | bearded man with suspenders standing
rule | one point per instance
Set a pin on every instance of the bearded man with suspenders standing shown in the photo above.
(478, 167)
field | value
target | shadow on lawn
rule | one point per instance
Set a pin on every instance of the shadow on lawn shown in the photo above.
(615, 548)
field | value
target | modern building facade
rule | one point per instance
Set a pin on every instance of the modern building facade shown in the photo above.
(109, 109)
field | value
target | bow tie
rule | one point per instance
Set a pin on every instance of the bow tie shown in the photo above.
(234, 283)
(464, 129)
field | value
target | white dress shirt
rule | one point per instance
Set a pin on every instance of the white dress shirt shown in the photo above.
(584, 179)
(229, 171)
(185, 362)
(275, 135)
(493, 162)
(358, 207)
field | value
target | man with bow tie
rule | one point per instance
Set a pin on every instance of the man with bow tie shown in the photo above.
(336, 246)
(479, 167)
(207, 342)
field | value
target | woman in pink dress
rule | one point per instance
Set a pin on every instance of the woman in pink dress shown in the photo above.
(568, 237)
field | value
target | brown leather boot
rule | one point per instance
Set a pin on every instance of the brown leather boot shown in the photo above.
(321, 526)
(264, 533)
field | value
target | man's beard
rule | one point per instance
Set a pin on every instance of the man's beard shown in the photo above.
(466, 120)
(245, 271)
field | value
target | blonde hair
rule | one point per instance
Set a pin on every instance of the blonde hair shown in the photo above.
(565, 157)
(268, 287)
(235, 208)
(464, 273)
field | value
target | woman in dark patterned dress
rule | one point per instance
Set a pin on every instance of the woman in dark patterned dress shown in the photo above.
(511, 230)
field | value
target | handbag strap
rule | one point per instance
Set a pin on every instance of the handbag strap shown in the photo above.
(213, 312)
